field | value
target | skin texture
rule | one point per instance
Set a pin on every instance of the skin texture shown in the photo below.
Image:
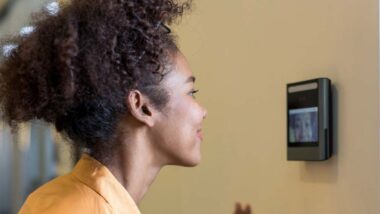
(150, 139)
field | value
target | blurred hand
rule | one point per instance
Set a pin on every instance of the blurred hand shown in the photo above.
(239, 209)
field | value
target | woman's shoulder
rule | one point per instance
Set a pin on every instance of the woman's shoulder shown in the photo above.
(64, 194)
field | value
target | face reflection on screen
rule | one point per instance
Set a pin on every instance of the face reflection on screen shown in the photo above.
(303, 125)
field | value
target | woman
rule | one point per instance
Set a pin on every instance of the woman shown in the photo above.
(109, 76)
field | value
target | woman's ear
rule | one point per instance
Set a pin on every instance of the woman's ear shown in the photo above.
(140, 107)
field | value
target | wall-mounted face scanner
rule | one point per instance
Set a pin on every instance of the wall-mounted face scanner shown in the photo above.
(309, 120)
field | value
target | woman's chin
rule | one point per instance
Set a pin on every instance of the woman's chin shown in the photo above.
(190, 162)
(194, 162)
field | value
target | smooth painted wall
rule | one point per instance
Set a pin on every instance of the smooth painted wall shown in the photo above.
(243, 53)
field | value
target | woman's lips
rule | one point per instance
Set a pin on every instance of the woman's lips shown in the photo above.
(200, 135)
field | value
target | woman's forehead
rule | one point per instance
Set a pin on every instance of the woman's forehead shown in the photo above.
(180, 72)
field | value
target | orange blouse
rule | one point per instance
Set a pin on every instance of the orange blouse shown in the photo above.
(89, 188)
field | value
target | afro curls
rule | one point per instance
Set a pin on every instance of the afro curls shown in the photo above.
(76, 67)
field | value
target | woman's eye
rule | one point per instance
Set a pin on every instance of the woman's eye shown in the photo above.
(193, 92)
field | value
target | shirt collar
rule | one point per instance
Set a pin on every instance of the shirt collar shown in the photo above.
(95, 175)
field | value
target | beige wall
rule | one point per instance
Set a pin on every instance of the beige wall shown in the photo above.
(243, 53)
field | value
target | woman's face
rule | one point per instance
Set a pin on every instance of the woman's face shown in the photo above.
(304, 131)
(178, 130)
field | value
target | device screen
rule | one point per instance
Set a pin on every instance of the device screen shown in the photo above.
(303, 111)
(303, 125)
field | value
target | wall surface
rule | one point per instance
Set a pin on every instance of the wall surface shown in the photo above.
(243, 53)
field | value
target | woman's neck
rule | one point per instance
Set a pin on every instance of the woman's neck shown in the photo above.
(134, 166)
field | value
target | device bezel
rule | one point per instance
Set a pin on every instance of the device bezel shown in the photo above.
(309, 103)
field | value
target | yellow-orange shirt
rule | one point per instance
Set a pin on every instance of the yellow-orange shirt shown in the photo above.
(89, 188)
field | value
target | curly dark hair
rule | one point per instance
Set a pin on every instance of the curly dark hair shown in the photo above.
(75, 69)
